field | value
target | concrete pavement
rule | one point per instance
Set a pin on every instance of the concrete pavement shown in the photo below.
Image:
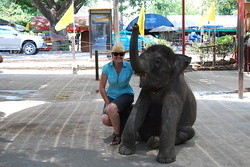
(53, 120)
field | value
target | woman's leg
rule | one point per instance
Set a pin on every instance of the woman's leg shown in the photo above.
(114, 117)
(105, 120)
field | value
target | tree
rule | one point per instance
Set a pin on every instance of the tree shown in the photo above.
(174, 7)
(165, 8)
(162, 7)
(23, 11)
(227, 7)
(223, 7)
(17, 12)
(53, 11)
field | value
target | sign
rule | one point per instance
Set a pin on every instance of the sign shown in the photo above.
(100, 23)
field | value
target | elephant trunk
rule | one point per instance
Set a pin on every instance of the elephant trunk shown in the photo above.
(136, 63)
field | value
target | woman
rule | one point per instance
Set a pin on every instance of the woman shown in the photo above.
(119, 95)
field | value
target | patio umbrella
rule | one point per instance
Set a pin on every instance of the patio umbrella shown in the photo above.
(163, 29)
(151, 21)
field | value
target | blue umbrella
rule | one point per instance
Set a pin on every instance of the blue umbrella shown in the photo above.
(151, 21)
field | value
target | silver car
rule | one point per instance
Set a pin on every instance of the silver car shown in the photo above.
(13, 40)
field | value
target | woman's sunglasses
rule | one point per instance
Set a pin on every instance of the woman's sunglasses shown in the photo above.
(117, 53)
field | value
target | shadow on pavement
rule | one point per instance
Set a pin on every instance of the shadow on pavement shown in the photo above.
(76, 157)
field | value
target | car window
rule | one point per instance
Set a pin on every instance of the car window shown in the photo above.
(7, 31)
(4, 31)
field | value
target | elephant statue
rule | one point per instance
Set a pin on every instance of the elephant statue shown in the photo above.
(165, 110)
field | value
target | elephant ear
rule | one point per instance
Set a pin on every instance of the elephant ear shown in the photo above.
(181, 63)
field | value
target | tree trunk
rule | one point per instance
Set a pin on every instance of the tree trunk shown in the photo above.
(60, 40)
(53, 11)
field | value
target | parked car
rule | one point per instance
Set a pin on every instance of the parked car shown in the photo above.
(13, 40)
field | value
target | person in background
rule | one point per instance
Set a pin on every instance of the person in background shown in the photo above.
(193, 36)
(1, 59)
(119, 95)
(205, 38)
(234, 48)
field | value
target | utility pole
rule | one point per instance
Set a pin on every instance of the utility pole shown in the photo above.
(240, 38)
(183, 27)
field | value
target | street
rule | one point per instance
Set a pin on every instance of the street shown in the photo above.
(52, 61)
(44, 55)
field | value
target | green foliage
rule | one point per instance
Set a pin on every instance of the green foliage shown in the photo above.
(135, 4)
(173, 7)
(17, 13)
(227, 7)
(22, 11)
(161, 7)
(223, 7)
(227, 39)
(165, 7)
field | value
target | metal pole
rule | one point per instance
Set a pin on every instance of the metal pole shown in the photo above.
(74, 34)
(240, 37)
(96, 66)
(214, 50)
(116, 21)
(74, 66)
(183, 27)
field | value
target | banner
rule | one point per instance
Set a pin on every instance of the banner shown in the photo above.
(208, 16)
(66, 19)
(141, 20)
(211, 13)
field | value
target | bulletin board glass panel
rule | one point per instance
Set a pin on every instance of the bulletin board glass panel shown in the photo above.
(100, 30)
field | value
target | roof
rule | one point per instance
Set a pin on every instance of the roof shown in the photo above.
(227, 21)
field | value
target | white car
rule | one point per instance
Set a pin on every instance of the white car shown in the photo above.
(13, 40)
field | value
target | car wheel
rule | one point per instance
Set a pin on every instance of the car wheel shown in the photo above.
(29, 48)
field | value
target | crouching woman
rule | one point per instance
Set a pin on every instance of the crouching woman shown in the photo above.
(119, 95)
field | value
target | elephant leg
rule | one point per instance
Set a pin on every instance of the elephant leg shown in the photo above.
(124, 117)
(134, 121)
(170, 115)
(153, 142)
(184, 134)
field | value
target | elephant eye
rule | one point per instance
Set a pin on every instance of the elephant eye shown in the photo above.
(157, 62)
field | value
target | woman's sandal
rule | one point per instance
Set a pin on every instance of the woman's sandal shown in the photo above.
(116, 139)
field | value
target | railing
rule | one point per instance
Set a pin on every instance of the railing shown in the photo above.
(215, 51)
